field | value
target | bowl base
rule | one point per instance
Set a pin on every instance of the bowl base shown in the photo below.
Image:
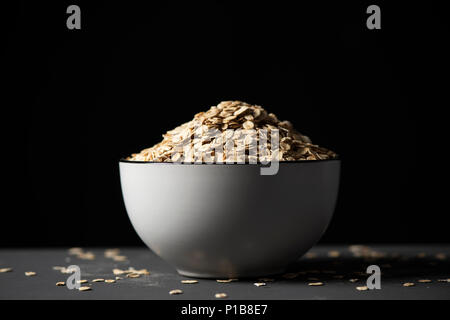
(258, 274)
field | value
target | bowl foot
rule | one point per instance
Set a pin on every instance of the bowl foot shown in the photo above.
(258, 274)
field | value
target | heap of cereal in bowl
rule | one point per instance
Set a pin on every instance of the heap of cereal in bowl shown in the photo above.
(234, 132)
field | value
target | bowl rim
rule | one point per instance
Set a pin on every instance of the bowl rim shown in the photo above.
(123, 160)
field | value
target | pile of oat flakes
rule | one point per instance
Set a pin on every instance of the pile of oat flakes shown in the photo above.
(235, 126)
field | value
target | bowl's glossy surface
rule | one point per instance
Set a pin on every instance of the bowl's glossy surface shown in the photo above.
(228, 221)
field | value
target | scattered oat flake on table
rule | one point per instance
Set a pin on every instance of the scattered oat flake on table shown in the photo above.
(110, 280)
(98, 280)
(82, 281)
(334, 254)
(3, 270)
(81, 254)
(221, 295)
(60, 283)
(315, 284)
(189, 281)
(175, 291)
(226, 280)
(86, 256)
(58, 268)
(75, 251)
(311, 255)
(424, 280)
(68, 270)
(141, 272)
(119, 258)
(110, 253)
(408, 284)
(443, 280)
(133, 275)
(131, 270)
(260, 284)
(363, 288)
(65, 270)
(30, 273)
(86, 288)
(118, 271)
(119, 278)
(353, 280)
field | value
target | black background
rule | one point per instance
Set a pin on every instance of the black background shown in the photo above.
(79, 100)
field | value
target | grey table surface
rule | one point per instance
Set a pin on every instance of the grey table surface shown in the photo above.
(398, 263)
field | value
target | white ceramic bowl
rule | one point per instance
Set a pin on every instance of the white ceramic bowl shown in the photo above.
(227, 220)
